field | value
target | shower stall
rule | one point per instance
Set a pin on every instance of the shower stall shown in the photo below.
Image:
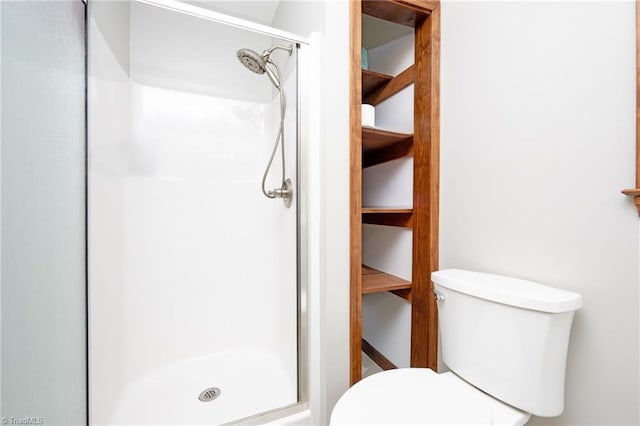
(146, 277)
(195, 296)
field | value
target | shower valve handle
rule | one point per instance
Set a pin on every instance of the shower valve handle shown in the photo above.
(280, 193)
(285, 192)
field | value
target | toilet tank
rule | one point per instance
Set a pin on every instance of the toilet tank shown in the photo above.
(506, 336)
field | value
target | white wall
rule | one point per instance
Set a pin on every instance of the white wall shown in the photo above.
(538, 119)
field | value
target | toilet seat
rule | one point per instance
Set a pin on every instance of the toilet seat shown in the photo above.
(421, 396)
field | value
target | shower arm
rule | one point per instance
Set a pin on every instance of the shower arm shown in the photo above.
(270, 50)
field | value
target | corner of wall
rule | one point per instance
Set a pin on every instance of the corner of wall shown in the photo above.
(327, 24)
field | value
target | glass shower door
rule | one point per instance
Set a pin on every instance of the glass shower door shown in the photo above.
(42, 167)
(192, 270)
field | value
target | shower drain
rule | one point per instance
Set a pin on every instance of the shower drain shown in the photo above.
(209, 394)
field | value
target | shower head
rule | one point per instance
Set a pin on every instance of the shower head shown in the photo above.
(252, 60)
(257, 63)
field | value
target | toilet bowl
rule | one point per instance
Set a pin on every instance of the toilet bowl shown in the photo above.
(505, 341)
(420, 396)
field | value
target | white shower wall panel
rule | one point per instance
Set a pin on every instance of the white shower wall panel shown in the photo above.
(208, 262)
(183, 52)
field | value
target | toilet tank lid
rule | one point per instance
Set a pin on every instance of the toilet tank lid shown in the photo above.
(508, 291)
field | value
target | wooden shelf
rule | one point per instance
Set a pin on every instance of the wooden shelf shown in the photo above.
(403, 12)
(374, 139)
(393, 152)
(374, 281)
(377, 356)
(372, 81)
(378, 87)
(387, 88)
(386, 210)
(380, 146)
(387, 216)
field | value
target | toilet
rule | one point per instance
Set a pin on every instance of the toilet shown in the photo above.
(505, 341)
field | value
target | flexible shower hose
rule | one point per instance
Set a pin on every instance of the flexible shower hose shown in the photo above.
(279, 138)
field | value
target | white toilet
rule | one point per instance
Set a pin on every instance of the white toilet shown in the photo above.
(505, 341)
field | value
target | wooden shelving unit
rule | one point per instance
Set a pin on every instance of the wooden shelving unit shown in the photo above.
(372, 146)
